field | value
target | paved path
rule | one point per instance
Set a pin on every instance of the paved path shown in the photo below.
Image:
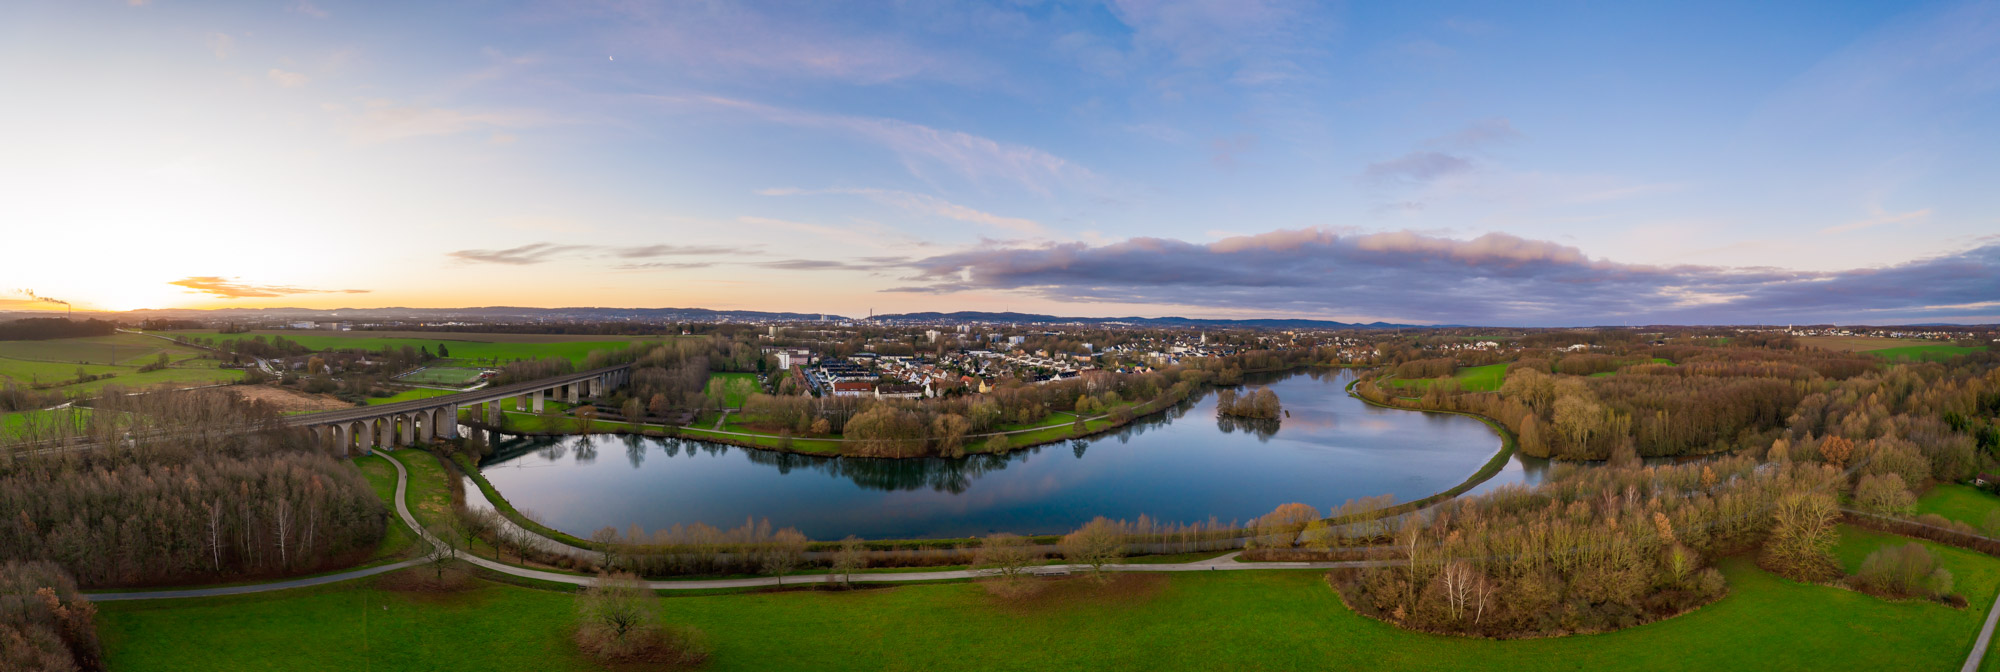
(1985, 638)
(1228, 562)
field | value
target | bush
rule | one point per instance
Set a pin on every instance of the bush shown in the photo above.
(616, 622)
(1908, 570)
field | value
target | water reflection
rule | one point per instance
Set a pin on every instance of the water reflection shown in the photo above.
(1169, 466)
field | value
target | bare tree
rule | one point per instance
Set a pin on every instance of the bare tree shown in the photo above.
(784, 553)
(443, 550)
(1008, 555)
(615, 613)
(1098, 543)
(852, 556)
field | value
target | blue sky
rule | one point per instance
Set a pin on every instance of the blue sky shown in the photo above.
(1553, 163)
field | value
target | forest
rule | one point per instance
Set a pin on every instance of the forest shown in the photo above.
(180, 488)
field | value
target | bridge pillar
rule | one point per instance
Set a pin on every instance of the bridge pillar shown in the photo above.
(409, 429)
(448, 429)
(570, 391)
(521, 403)
(364, 438)
(493, 413)
(387, 430)
(538, 400)
(338, 433)
(426, 424)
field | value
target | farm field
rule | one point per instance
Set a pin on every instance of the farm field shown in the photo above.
(1194, 621)
(31, 363)
(468, 348)
(116, 349)
(1889, 348)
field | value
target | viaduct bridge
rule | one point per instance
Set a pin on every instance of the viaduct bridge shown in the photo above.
(406, 422)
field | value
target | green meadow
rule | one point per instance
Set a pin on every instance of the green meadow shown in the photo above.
(1923, 353)
(38, 363)
(1471, 378)
(1249, 620)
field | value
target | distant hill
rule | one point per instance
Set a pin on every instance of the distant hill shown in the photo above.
(595, 314)
(1028, 318)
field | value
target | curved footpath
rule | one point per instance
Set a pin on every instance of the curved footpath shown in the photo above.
(1223, 563)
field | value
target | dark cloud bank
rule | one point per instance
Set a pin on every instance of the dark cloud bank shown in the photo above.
(1495, 279)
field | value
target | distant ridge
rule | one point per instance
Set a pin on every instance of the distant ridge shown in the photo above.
(1022, 318)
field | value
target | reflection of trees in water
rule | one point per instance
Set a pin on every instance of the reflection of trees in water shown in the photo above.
(1262, 428)
(949, 475)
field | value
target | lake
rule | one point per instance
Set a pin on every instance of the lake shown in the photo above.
(1181, 465)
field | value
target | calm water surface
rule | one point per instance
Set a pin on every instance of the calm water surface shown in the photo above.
(1182, 465)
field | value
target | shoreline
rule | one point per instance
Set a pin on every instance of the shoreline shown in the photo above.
(1492, 467)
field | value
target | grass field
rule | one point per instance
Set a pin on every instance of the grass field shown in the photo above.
(442, 375)
(1471, 378)
(116, 349)
(1265, 620)
(11, 423)
(1923, 353)
(411, 394)
(397, 538)
(470, 348)
(733, 398)
(1963, 503)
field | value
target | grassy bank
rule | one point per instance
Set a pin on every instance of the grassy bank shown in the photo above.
(1275, 620)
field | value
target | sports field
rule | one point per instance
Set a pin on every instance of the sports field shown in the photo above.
(442, 375)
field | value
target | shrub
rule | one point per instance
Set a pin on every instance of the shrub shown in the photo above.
(616, 623)
(1908, 570)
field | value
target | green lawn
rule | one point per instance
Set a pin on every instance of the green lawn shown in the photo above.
(1263, 620)
(1963, 503)
(1924, 353)
(396, 540)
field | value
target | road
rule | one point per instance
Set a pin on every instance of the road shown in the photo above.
(1228, 562)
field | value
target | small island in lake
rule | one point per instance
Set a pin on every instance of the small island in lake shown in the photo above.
(1261, 404)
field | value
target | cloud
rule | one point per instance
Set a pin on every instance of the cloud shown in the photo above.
(383, 120)
(925, 205)
(524, 255)
(869, 264)
(307, 8)
(289, 80)
(536, 253)
(649, 251)
(1419, 167)
(219, 44)
(229, 288)
(1493, 279)
(724, 40)
(1483, 133)
(1879, 218)
(922, 148)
